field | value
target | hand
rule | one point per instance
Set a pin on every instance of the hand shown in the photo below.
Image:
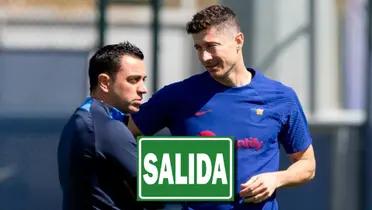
(259, 188)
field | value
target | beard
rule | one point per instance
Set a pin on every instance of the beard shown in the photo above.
(220, 72)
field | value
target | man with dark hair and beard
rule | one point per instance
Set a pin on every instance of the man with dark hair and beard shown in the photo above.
(97, 153)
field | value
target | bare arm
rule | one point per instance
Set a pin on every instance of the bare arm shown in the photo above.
(300, 171)
(262, 186)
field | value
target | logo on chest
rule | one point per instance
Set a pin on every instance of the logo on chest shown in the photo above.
(259, 111)
(246, 143)
(249, 143)
(257, 115)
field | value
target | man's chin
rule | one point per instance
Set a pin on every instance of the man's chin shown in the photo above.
(215, 73)
(133, 109)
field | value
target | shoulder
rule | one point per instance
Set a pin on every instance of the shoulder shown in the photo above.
(80, 121)
(78, 135)
(176, 92)
(117, 130)
(273, 89)
(189, 83)
(103, 122)
(115, 139)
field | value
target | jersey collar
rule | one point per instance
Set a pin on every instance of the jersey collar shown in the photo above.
(114, 113)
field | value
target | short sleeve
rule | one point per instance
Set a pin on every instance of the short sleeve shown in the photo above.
(295, 134)
(154, 114)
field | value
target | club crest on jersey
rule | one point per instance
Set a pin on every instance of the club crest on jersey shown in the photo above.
(259, 111)
(257, 114)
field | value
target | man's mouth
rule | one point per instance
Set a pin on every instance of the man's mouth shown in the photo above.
(213, 66)
(137, 101)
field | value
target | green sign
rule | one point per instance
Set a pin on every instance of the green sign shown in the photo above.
(185, 168)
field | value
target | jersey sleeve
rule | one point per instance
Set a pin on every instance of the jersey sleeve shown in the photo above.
(119, 145)
(114, 142)
(295, 135)
(154, 115)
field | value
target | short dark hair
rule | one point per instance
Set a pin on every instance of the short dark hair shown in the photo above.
(107, 60)
(214, 15)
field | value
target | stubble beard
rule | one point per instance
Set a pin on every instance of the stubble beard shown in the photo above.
(225, 76)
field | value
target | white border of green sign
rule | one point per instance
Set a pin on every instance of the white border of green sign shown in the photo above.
(186, 198)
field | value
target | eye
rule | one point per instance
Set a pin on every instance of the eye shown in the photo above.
(212, 45)
(133, 79)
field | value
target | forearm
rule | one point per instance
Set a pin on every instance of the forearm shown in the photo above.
(299, 172)
(262, 186)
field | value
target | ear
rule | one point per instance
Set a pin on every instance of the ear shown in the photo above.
(104, 82)
(239, 39)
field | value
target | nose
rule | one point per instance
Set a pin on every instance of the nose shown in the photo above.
(205, 56)
(142, 88)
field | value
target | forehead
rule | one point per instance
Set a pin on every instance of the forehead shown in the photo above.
(212, 34)
(131, 65)
(130, 60)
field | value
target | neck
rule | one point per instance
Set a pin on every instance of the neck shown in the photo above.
(98, 96)
(106, 99)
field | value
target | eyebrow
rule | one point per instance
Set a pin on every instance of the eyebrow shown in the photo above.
(206, 43)
(136, 76)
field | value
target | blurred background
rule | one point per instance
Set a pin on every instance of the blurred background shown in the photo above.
(319, 47)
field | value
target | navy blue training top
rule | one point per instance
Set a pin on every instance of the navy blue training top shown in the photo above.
(97, 160)
(259, 116)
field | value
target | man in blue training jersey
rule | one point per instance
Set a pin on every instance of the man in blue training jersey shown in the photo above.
(97, 153)
(229, 99)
